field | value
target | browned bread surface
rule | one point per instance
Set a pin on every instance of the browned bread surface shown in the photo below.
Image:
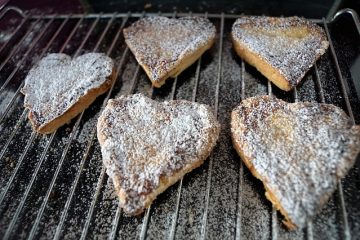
(58, 88)
(164, 47)
(147, 146)
(282, 49)
(298, 150)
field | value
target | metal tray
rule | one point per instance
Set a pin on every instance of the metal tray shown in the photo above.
(55, 186)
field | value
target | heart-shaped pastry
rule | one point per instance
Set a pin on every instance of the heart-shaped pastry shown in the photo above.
(164, 47)
(298, 150)
(147, 146)
(282, 49)
(58, 88)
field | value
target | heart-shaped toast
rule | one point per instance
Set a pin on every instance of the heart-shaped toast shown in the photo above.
(164, 47)
(298, 150)
(58, 88)
(147, 146)
(282, 49)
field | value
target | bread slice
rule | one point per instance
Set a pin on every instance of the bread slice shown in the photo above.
(282, 49)
(147, 146)
(164, 47)
(58, 88)
(298, 150)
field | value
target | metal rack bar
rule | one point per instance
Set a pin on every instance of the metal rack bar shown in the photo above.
(145, 224)
(241, 168)
(115, 223)
(347, 233)
(295, 94)
(274, 223)
(209, 176)
(173, 89)
(168, 14)
(274, 220)
(11, 8)
(318, 84)
(197, 77)
(344, 88)
(92, 206)
(353, 14)
(309, 230)
(269, 87)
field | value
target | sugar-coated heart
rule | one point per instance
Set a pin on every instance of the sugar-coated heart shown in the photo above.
(298, 150)
(282, 48)
(148, 145)
(57, 88)
(164, 47)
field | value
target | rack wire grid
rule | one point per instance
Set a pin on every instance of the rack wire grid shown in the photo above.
(55, 186)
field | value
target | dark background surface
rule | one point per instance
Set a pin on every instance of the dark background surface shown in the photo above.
(308, 8)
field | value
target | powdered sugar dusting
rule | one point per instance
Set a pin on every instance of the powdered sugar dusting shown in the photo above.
(291, 45)
(143, 140)
(300, 150)
(57, 82)
(160, 42)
